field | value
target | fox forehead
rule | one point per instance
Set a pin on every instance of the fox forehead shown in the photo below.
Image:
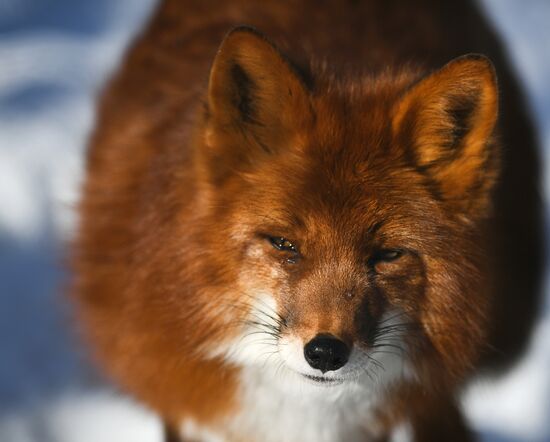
(345, 162)
(347, 202)
(348, 139)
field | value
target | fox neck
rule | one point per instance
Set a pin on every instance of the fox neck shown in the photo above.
(275, 398)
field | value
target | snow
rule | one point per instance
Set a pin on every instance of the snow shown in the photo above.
(55, 56)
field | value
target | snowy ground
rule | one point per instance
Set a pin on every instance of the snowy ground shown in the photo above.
(54, 55)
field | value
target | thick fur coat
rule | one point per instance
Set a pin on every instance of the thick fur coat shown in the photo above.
(348, 174)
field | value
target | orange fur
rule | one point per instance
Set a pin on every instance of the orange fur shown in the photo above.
(353, 139)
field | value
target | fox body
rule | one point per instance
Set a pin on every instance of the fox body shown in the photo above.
(317, 239)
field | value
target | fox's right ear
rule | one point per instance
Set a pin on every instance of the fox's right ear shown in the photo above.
(447, 122)
(256, 100)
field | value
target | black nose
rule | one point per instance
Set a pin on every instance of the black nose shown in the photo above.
(326, 353)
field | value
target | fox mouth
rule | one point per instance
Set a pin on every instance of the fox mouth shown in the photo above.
(320, 380)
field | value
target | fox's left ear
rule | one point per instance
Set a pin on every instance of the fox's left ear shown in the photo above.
(257, 100)
(447, 122)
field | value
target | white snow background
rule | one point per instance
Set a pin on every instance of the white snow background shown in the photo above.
(54, 57)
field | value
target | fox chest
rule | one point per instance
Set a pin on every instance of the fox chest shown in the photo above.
(272, 410)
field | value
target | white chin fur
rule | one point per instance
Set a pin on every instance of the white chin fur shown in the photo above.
(276, 394)
(374, 369)
(282, 360)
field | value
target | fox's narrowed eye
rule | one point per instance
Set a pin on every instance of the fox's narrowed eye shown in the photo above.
(282, 244)
(387, 255)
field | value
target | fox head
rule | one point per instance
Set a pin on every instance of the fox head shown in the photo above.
(348, 217)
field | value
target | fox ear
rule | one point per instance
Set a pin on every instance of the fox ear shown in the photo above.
(447, 122)
(254, 93)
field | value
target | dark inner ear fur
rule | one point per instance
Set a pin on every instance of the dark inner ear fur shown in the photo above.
(445, 122)
(244, 94)
(460, 112)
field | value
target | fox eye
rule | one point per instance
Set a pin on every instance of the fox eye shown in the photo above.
(386, 255)
(282, 244)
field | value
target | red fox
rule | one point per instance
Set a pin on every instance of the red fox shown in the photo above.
(317, 226)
